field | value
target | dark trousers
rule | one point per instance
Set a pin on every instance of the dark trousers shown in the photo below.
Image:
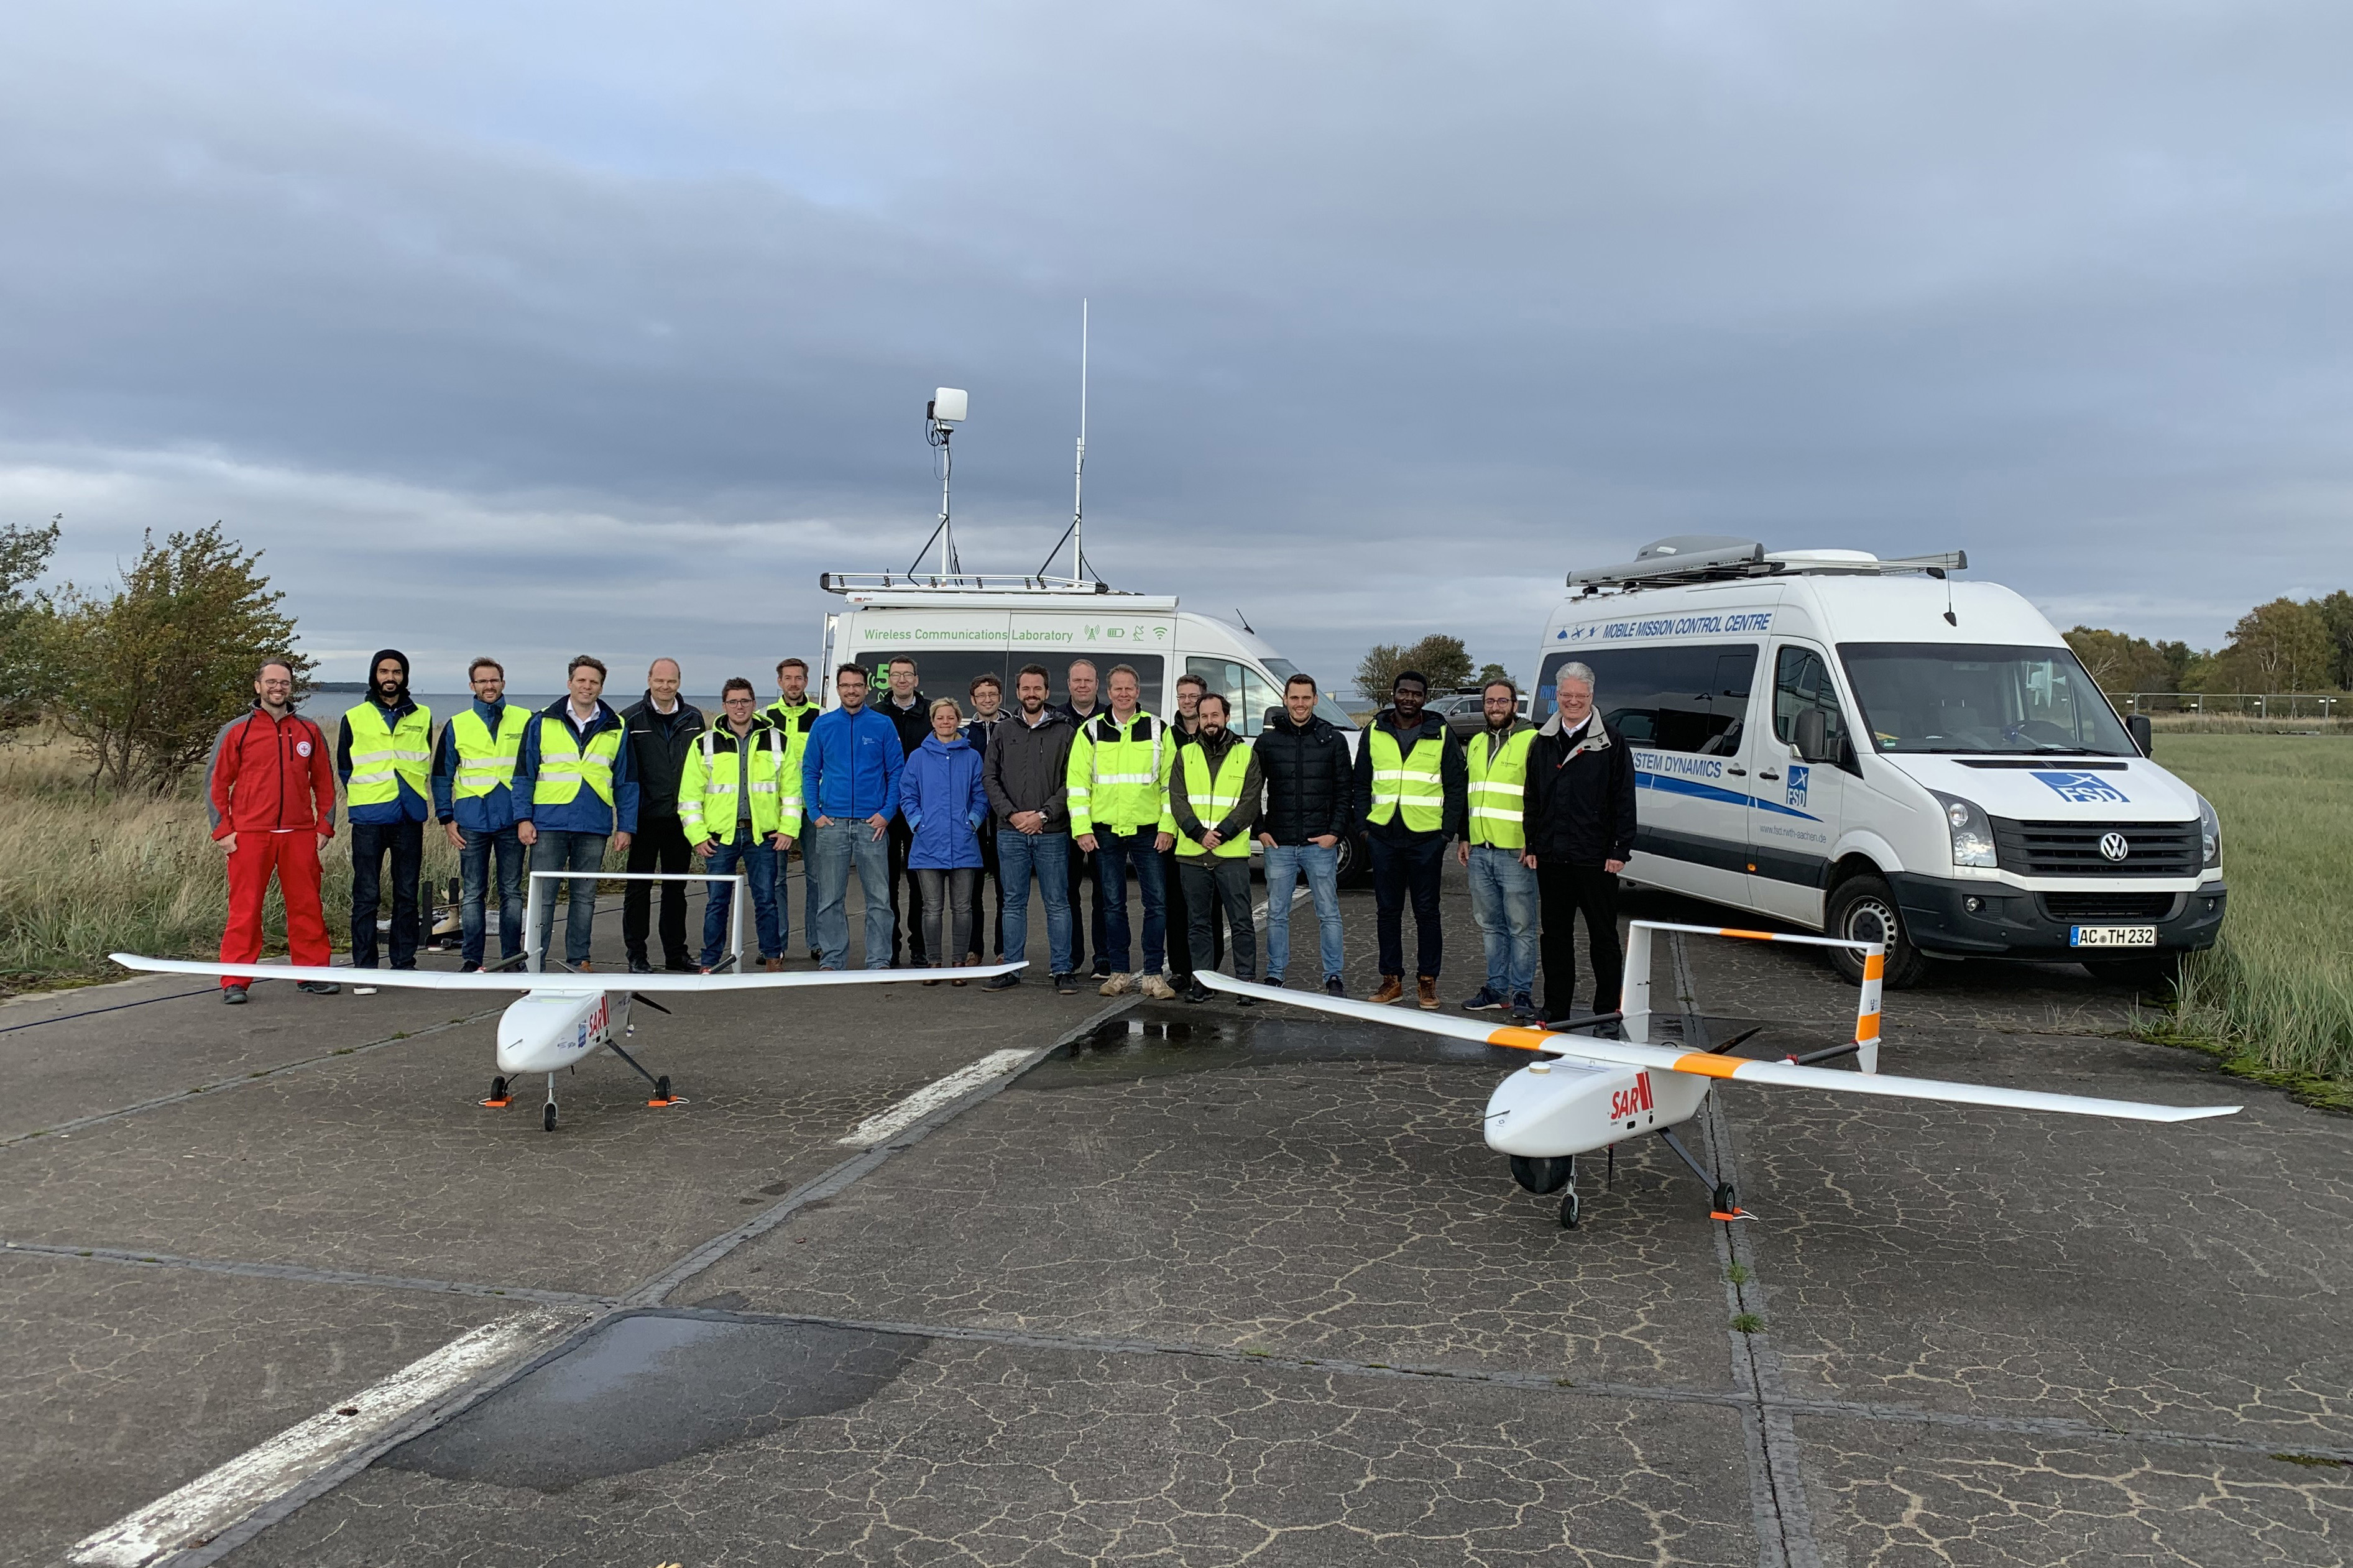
(988, 898)
(906, 899)
(1403, 867)
(371, 841)
(660, 844)
(1217, 888)
(1181, 925)
(1085, 879)
(1118, 856)
(1562, 893)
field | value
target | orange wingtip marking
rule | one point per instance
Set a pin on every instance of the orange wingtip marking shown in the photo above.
(1729, 1218)
(1520, 1039)
(495, 1104)
(1707, 1064)
(673, 1100)
(1753, 935)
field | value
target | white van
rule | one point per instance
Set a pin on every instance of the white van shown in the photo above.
(958, 627)
(1870, 749)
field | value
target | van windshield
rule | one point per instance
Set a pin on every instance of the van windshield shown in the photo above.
(1981, 697)
(1331, 712)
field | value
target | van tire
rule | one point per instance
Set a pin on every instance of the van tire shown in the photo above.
(1864, 909)
(1355, 861)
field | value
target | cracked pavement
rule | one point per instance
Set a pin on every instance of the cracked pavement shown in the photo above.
(1206, 1286)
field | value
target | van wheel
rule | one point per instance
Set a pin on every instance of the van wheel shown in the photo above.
(1355, 861)
(1862, 908)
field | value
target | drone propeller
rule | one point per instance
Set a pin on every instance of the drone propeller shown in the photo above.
(641, 996)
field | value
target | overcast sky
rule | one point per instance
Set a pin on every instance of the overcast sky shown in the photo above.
(524, 328)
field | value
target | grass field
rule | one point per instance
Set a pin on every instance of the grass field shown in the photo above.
(2276, 996)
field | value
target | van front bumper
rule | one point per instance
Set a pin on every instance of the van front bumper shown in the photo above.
(2011, 921)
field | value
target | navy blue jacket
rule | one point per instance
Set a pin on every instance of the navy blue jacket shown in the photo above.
(479, 813)
(587, 811)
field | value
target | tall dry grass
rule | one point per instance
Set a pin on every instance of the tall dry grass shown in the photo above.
(2276, 993)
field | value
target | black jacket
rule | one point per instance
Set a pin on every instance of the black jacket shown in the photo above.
(657, 743)
(1453, 770)
(912, 723)
(1030, 770)
(1579, 811)
(1309, 779)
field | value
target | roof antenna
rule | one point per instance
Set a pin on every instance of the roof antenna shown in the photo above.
(1245, 621)
(1076, 532)
(1939, 572)
(942, 415)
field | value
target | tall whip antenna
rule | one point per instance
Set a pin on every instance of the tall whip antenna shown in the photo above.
(1076, 532)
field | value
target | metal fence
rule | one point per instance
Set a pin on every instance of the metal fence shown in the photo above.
(2238, 704)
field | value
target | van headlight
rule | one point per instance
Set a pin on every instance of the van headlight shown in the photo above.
(1972, 831)
(2210, 835)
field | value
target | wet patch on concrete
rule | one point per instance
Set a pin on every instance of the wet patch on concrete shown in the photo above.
(651, 1388)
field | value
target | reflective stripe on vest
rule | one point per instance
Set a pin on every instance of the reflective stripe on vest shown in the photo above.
(1125, 800)
(707, 805)
(1499, 790)
(562, 764)
(486, 762)
(1408, 781)
(383, 754)
(1212, 798)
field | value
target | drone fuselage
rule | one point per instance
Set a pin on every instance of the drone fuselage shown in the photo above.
(1566, 1105)
(546, 1031)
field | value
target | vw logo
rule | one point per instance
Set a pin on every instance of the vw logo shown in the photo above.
(2112, 845)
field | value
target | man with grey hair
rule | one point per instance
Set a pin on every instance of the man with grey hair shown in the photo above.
(1580, 834)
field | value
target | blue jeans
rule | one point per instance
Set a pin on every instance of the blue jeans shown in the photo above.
(474, 862)
(371, 841)
(561, 851)
(1504, 902)
(1286, 864)
(1047, 855)
(1117, 854)
(827, 854)
(759, 864)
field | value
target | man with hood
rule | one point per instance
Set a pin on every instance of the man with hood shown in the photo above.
(574, 791)
(384, 755)
(1411, 792)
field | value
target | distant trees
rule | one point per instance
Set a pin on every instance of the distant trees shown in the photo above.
(2279, 647)
(2120, 663)
(24, 555)
(2283, 646)
(1443, 661)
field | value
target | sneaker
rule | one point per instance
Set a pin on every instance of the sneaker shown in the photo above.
(1524, 1008)
(1392, 987)
(1102, 968)
(1005, 982)
(1066, 985)
(1244, 1001)
(1333, 987)
(1196, 992)
(640, 967)
(1273, 980)
(815, 955)
(1115, 985)
(688, 966)
(1486, 1001)
(317, 987)
(1156, 987)
(1426, 992)
(234, 995)
(472, 966)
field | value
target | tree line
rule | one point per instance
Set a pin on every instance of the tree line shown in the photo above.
(2286, 645)
(139, 674)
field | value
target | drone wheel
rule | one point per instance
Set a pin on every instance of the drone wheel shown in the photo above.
(547, 1116)
(1727, 1201)
(1570, 1211)
(1543, 1175)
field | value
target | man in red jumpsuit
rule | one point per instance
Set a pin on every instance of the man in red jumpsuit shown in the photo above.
(271, 787)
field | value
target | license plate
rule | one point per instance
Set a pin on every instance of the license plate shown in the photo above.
(2112, 936)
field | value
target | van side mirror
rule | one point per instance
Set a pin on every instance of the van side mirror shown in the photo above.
(1814, 736)
(2137, 726)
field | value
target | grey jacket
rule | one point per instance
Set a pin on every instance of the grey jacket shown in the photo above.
(1237, 823)
(1030, 770)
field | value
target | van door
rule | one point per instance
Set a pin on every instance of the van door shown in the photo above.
(1798, 806)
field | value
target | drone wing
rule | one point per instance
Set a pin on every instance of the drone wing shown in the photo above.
(1706, 1064)
(553, 980)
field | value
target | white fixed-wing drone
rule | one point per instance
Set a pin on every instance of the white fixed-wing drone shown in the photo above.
(1587, 1095)
(561, 1020)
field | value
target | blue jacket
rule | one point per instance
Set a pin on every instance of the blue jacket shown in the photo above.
(941, 795)
(478, 813)
(410, 807)
(587, 811)
(850, 768)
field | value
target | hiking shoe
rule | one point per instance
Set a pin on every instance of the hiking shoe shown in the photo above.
(1066, 985)
(640, 967)
(1116, 985)
(1158, 988)
(1392, 987)
(1196, 992)
(1005, 982)
(317, 987)
(773, 965)
(234, 995)
(1486, 1001)
(1426, 988)
(1524, 1008)
(1333, 987)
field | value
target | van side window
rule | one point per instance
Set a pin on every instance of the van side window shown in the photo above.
(1248, 693)
(1689, 697)
(1802, 681)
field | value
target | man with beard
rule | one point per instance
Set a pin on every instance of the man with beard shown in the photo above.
(1412, 793)
(383, 755)
(1082, 705)
(273, 800)
(794, 714)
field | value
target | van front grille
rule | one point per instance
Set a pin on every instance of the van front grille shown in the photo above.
(2110, 906)
(2073, 848)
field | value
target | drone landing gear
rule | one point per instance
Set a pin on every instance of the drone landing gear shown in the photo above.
(500, 1095)
(662, 1096)
(1726, 1200)
(547, 1116)
(1570, 1209)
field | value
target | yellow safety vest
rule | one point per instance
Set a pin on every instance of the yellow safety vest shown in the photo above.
(708, 806)
(1211, 799)
(1118, 776)
(1410, 782)
(562, 764)
(383, 755)
(486, 762)
(1499, 789)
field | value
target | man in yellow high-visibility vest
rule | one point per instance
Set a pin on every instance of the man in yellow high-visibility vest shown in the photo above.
(1214, 792)
(1410, 795)
(1495, 851)
(574, 793)
(473, 795)
(383, 755)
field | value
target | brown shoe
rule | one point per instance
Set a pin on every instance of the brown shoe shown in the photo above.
(774, 966)
(1392, 987)
(1428, 988)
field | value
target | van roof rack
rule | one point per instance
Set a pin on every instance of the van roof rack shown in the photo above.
(950, 583)
(1711, 558)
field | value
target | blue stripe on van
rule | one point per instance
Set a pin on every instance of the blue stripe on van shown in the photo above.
(1672, 785)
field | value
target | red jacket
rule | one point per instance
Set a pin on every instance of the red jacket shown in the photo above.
(269, 775)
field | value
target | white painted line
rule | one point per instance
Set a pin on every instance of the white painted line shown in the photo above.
(212, 1503)
(884, 1125)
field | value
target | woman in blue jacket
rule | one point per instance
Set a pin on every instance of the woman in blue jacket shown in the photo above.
(941, 795)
